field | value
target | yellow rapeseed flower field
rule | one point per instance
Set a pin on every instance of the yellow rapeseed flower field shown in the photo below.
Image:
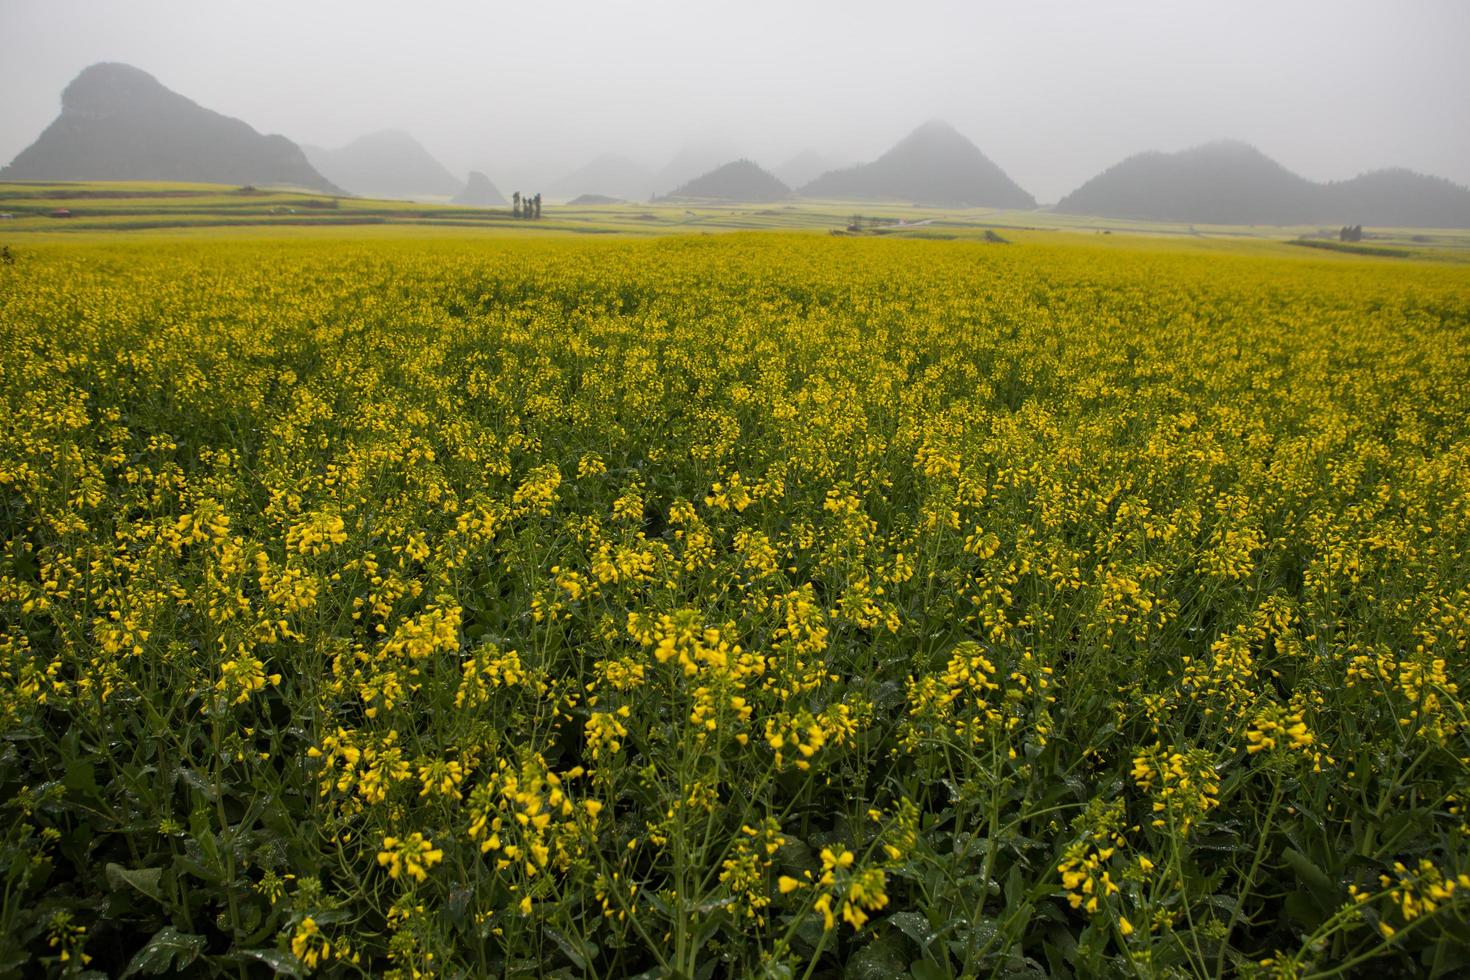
(759, 605)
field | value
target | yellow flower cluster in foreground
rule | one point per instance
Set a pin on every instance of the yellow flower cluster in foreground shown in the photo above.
(733, 607)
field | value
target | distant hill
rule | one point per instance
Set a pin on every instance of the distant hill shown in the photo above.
(1398, 198)
(1219, 183)
(804, 168)
(479, 192)
(389, 163)
(693, 159)
(934, 164)
(1229, 182)
(609, 175)
(119, 123)
(740, 180)
(586, 199)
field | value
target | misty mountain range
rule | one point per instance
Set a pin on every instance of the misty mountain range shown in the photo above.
(479, 192)
(609, 175)
(119, 123)
(389, 163)
(806, 167)
(932, 165)
(1229, 182)
(740, 180)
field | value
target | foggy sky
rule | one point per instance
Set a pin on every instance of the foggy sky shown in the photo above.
(1051, 91)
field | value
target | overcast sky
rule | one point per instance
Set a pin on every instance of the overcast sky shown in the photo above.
(1052, 91)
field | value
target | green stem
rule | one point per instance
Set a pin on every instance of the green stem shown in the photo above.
(1250, 876)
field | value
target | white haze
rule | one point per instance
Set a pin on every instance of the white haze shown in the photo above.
(1052, 91)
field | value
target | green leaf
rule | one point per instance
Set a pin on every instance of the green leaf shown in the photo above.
(168, 951)
(926, 970)
(80, 777)
(713, 904)
(776, 970)
(1060, 949)
(1313, 877)
(1303, 909)
(1057, 961)
(973, 937)
(1015, 890)
(210, 875)
(1026, 968)
(1447, 957)
(144, 880)
(194, 781)
(282, 964)
(916, 926)
(875, 961)
(568, 950)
